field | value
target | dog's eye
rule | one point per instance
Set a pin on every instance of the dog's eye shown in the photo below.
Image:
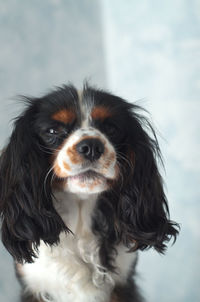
(57, 131)
(55, 135)
(52, 131)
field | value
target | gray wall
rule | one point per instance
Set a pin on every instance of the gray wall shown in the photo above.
(142, 50)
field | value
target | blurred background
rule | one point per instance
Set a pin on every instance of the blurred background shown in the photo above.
(144, 51)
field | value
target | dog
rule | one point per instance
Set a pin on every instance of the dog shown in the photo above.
(80, 195)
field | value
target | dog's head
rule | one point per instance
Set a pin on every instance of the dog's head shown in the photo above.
(88, 142)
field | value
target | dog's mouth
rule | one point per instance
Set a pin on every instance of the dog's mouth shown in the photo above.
(88, 181)
(86, 176)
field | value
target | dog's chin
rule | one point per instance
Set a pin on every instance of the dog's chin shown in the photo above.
(88, 182)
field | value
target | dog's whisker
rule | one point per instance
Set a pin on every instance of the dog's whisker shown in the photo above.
(45, 180)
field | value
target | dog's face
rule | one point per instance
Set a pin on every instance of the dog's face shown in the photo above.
(86, 158)
(83, 133)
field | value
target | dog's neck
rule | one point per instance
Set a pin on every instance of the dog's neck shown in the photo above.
(76, 210)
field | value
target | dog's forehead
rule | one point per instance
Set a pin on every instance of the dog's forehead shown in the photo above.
(85, 109)
(92, 109)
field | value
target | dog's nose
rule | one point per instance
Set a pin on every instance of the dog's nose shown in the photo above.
(90, 148)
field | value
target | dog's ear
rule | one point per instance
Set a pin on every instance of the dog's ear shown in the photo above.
(26, 207)
(142, 209)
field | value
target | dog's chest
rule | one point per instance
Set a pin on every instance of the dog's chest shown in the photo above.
(72, 271)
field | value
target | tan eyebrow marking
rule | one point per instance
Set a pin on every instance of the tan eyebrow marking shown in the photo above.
(65, 116)
(100, 113)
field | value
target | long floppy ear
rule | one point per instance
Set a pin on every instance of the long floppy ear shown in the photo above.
(143, 210)
(26, 205)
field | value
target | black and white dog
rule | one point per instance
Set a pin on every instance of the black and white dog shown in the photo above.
(80, 193)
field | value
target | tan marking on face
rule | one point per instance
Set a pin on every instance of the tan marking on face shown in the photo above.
(66, 166)
(65, 116)
(59, 172)
(73, 155)
(82, 185)
(94, 184)
(109, 159)
(100, 113)
(57, 169)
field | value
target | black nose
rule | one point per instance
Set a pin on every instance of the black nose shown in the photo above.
(90, 148)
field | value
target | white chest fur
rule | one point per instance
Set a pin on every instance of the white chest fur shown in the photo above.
(72, 270)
